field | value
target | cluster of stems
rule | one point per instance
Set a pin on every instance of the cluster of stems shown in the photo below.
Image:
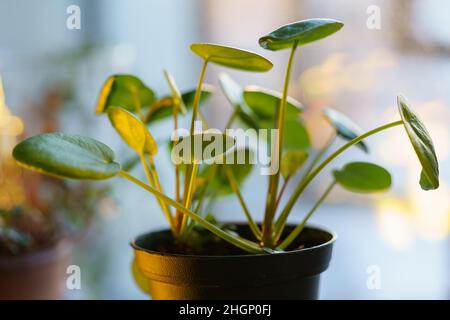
(269, 234)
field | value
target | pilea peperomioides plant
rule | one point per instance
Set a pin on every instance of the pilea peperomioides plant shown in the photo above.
(132, 107)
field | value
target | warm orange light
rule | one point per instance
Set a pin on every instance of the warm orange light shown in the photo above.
(11, 127)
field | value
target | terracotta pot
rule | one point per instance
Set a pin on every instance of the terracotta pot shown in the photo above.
(293, 274)
(37, 275)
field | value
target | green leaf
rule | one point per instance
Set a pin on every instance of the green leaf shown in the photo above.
(232, 57)
(207, 146)
(363, 177)
(301, 32)
(296, 135)
(67, 156)
(177, 99)
(125, 91)
(345, 128)
(162, 108)
(291, 162)
(234, 93)
(422, 144)
(220, 184)
(132, 131)
(264, 103)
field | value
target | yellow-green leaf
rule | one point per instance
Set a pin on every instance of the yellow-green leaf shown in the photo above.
(291, 162)
(132, 131)
(232, 57)
(163, 108)
(125, 91)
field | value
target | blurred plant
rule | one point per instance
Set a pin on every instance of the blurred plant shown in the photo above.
(132, 106)
(36, 211)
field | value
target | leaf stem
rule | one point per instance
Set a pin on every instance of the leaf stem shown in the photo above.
(311, 166)
(319, 156)
(195, 106)
(283, 188)
(190, 194)
(214, 167)
(197, 95)
(152, 179)
(178, 214)
(303, 184)
(239, 242)
(234, 185)
(294, 234)
(272, 191)
(202, 195)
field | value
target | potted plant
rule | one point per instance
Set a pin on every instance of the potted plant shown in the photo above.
(40, 217)
(198, 257)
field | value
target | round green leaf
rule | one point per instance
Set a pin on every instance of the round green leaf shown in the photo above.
(291, 162)
(363, 177)
(125, 91)
(296, 135)
(207, 146)
(162, 108)
(422, 144)
(345, 128)
(301, 32)
(177, 100)
(67, 156)
(234, 93)
(264, 103)
(132, 131)
(232, 57)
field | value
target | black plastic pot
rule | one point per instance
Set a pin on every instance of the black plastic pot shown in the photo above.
(293, 274)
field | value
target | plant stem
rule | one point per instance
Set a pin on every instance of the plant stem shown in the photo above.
(213, 168)
(303, 184)
(294, 234)
(190, 195)
(196, 103)
(152, 179)
(239, 242)
(272, 191)
(311, 166)
(234, 186)
(319, 156)
(202, 194)
(197, 96)
(283, 188)
(178, 214)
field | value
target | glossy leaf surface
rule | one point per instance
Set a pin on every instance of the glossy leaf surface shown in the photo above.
(67, 156)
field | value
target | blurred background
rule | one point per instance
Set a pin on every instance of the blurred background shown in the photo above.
(385, 48)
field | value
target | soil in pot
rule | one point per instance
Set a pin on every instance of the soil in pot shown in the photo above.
(213, 269)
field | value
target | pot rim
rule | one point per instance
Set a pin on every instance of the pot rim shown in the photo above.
(333, 237)
(38, 256)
